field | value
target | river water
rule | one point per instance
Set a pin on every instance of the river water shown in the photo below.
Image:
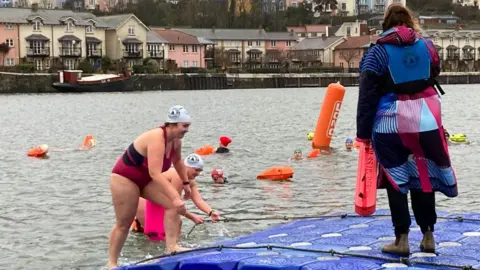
(57, 213)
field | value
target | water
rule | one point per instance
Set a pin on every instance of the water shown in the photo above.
(57, 213)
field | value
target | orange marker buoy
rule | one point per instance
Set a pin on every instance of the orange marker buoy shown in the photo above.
(89, 141)
(205, 150)
(39, 151)
(314, 153)
(328, 115)
(366, 187)
(277, 173)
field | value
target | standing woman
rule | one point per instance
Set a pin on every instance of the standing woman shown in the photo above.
(139, 173)
(399, 112)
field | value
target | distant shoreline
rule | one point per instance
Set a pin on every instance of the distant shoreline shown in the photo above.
(13, 83)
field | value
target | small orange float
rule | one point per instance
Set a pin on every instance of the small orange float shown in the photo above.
(89, 141)
(38, 151)
(277, 173)
(205, 150)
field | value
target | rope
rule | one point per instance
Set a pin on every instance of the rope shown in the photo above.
(287, 218)
(331, 252)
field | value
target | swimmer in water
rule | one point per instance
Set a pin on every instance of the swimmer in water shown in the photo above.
(224, 142)
(218, 177)
(139, 173)
(297, 154)
(194, 166)
(349, 144)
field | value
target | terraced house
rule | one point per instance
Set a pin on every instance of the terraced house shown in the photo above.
(46, 37)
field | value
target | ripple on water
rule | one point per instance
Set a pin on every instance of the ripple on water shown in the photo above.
(57, 213)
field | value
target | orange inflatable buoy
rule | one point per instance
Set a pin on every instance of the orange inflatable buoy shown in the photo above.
(366, 187)
(315, 153)
(205, 150)
(328, 115)
(89, 141)
(39, 151)
(277, 173)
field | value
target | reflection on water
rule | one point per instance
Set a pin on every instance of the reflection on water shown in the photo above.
(57, 213)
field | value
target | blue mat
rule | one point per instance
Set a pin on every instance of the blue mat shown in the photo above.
(298, 245)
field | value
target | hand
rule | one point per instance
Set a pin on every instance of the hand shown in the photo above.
(215, 216)
(197, 219)
(188, 192)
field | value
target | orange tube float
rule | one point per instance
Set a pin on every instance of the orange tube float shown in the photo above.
(205, 150)
(39, 151)
(328, 116)
(366, 187)
(276, 173)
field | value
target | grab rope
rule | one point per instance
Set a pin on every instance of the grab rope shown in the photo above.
(331, 252)
(287, 218)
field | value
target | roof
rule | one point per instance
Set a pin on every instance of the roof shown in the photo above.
(116, 21)
(236, 34)
(176, 37)
(48, 16)
(357, 42)
(153, 37)
(315, 43)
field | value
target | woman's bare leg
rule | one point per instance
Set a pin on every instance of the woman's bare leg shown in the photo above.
(125, 196)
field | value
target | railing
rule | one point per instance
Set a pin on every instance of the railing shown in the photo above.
(453, 56)
(209, 54)
(133, 54)
(94, 52)
(38, 51)
(70, 51)
(155, 54)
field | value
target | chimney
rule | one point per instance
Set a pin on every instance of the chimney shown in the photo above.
(34, 7)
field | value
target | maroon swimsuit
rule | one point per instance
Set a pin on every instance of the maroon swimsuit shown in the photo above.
(134, 166)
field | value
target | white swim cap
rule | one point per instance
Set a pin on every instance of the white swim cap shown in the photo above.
(178, 114)
(194, 161)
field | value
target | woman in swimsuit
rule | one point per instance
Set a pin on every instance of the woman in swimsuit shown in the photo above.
(138, 173)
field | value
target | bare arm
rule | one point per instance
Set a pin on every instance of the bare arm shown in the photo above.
(198, 200)
(178, 162)
(155, 154)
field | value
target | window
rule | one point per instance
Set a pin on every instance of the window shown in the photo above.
(185, 48)
(289, 43)
(344, 6)
(273, 43)
(249, 43)
(89, 29)
(467, 40)
(69, 27)
(194, 48)
(194, 63)
(185, 63)
(451, 40)
(9, 26)
(36, 26)
(9, 42)
(258, 43)
(69, 64)
(38, 64)
(131, 30)
(171, 47)
(348, 31)
(10, 62)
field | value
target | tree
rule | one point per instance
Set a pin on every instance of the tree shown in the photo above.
(349, 55)
(4, 49)
(300, 15)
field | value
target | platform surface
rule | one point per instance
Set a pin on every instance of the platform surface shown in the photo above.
(297, 245)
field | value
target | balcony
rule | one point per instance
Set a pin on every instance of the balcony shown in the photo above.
(38, 52)
(209, 54)
(70, 52)
(94, 53)
(155, 54)
(453, 56)
(133, 54)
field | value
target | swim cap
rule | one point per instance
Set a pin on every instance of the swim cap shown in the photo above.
(225, 140)
(194, 161)
(349, 140)
(217, 173)
(43, 147)
(298, 150)
(178, 114)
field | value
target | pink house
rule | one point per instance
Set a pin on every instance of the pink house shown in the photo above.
(185, 49)
(276, 46)
(9, 34)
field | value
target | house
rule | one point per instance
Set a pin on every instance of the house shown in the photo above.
(309, 31)
(157, 48)
(9, 36)
(350, 53)
(46, 37)
(186, 50)
(352, 29)
(246, 45)
(126, 38)
(315, 51)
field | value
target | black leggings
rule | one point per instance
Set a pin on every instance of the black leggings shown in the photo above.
(423, 205)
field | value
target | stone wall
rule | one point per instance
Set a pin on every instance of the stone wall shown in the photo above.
(41, 83)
